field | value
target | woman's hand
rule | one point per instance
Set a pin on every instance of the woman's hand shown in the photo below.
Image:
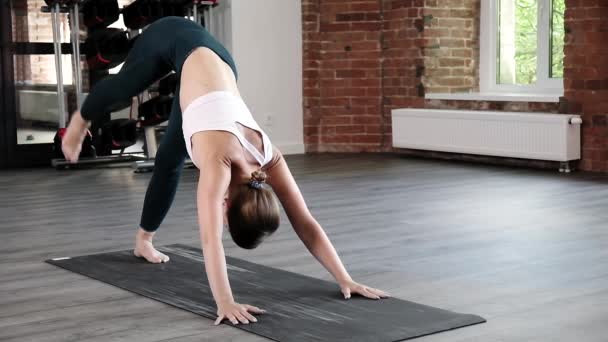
(349, 287)
(236, 313)
(71, 143)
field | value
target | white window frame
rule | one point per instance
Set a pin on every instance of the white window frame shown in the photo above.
(488, 82)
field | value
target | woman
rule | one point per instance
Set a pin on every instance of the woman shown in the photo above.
(234, 156)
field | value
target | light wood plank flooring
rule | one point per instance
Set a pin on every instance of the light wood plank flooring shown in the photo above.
(526, 249)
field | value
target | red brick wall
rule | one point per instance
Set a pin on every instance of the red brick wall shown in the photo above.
(311, 46)
(342, 75)
(451, 51)
(361, 59)
(403, 65)
(586, 76)
(364, 58)
(20, 34)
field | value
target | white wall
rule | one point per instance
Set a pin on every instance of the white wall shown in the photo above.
(221, 23)
(266, 43)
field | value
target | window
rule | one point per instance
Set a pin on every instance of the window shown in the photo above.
(30, 25)
(522, 46)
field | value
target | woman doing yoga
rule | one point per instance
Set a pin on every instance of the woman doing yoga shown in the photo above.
(239, 167)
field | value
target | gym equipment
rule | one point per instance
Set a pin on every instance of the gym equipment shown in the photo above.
(122, 133)
(151, 114)
(51, 3)
(155, 111)
(106, 48)
(89, 154)
(141, 13)
(56, 7)
(300, 308)
(100, 13)
(172, 9)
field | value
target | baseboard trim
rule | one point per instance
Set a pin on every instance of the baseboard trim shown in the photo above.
(288, 148)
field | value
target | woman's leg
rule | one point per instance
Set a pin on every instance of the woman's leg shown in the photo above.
(168, 167)
(145, 64)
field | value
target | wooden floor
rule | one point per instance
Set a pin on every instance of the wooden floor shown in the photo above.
(526, 249)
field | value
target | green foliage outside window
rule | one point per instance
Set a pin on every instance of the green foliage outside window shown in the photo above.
(557, 35)
(519, 22)
(526, 28)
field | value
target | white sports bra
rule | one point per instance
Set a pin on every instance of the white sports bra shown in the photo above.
(223, 111)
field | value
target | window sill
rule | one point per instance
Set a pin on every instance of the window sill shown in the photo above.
(503, 97)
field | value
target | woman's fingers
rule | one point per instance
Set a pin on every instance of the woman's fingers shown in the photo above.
(254, 309)
(248, 316)
(379, 293)
(346, 292)
(366, 293)
(240, 314)
(223, 317)
(232, 319)
(241, 318)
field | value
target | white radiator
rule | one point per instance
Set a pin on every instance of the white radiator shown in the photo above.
(554, 137)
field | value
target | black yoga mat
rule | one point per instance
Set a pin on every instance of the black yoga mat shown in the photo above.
(300, 308)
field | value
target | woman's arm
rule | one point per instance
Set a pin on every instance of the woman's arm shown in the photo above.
(212, 185)
(309, 230)
(213, 182)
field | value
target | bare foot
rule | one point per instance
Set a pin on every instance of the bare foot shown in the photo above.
(145, 249)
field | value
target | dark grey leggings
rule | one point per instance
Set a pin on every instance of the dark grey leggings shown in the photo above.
(167, 170)
(163, 47)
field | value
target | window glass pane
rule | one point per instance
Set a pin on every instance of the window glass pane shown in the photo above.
(39, 70)
(36, 101)
(557, 38)
(517, 48)
(31, 25)
(37, 106)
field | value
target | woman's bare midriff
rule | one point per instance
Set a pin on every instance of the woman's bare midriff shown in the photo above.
(205, 72)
